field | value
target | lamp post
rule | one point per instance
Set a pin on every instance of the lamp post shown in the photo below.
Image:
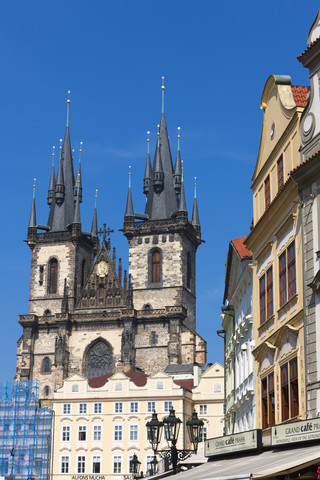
(135, 466)
(171, 425)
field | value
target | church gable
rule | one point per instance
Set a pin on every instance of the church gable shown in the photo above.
(104, 289)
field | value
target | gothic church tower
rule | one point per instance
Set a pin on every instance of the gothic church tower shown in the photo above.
(162, 261)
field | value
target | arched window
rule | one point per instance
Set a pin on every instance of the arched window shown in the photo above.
(189, 270)
(47, 313)
(53, 275)
(99, 359)
(46, 367)
(46, 391)
(155, 267)
(147, 307)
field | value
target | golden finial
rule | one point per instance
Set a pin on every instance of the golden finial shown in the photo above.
(162, 88)
(68, 107)
(96, 195)
(148, 140)
(129, 176)
(53, 149)
(195, 187)
(178, 138)
(60, 148)
(72, 153)
(34, 183)
(81, 143)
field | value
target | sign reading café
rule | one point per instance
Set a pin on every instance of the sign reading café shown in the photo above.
(296, 432)
(251, 440)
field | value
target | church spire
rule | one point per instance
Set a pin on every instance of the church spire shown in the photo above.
(33, 220)
(195, 212)
(52, 183)
(63, 209)
(162, 199)
(148, 170)
(177, 168)
(129, 208)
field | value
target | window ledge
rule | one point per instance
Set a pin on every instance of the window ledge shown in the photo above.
(288, 304)
(267, 323)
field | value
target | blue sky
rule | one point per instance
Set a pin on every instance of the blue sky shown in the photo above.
(216, 58)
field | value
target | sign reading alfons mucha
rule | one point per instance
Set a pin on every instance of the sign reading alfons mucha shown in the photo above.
(88, 477)
(251, 440)
(102, 269)
(296, 432)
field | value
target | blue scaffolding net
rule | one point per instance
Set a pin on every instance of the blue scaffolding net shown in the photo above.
(25, 432)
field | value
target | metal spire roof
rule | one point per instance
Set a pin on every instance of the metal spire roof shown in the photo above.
(33, 220)
(62, 213)
(129, 206)
(52, 183)
(79, 176)
(162, 205)
(76, 218)
(182, 203)
(148, 171)
(195, 212)
(177, 169)
(94, 226)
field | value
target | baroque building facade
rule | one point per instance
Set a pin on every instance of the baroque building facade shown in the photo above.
(86, 316)
(100, 423)
(276, 245)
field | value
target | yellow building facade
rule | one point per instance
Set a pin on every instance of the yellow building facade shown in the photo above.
(276, 245)
(101, 423)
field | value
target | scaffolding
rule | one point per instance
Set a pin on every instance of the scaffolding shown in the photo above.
(25, 432)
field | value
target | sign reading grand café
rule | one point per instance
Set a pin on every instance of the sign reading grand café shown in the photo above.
(296, 432)
(251, 440)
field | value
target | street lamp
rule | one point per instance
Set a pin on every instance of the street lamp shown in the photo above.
(135, 466)
(171, 426)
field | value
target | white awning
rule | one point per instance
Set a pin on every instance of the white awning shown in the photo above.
(260, 466)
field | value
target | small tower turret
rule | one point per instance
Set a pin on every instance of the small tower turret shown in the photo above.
(182, 204)
(59, 187)
(195, 212)
(78, 176)
(52, 183)
(129, 215)
(177, 168)
(158, 175)
(148, 170)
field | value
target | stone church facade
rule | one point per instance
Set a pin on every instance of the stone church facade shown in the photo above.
(88, 317)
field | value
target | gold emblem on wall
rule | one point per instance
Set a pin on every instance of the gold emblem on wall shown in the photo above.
(102, 269)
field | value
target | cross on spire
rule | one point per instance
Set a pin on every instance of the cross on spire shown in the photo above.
(105, 231)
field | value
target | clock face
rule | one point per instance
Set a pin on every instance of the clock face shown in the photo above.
(102, 269)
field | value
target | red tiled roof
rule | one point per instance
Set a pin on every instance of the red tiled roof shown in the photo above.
(305, 162)
(299, 93)
(187, 384)
(242, 250)
(138, 378)
(98, 382)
